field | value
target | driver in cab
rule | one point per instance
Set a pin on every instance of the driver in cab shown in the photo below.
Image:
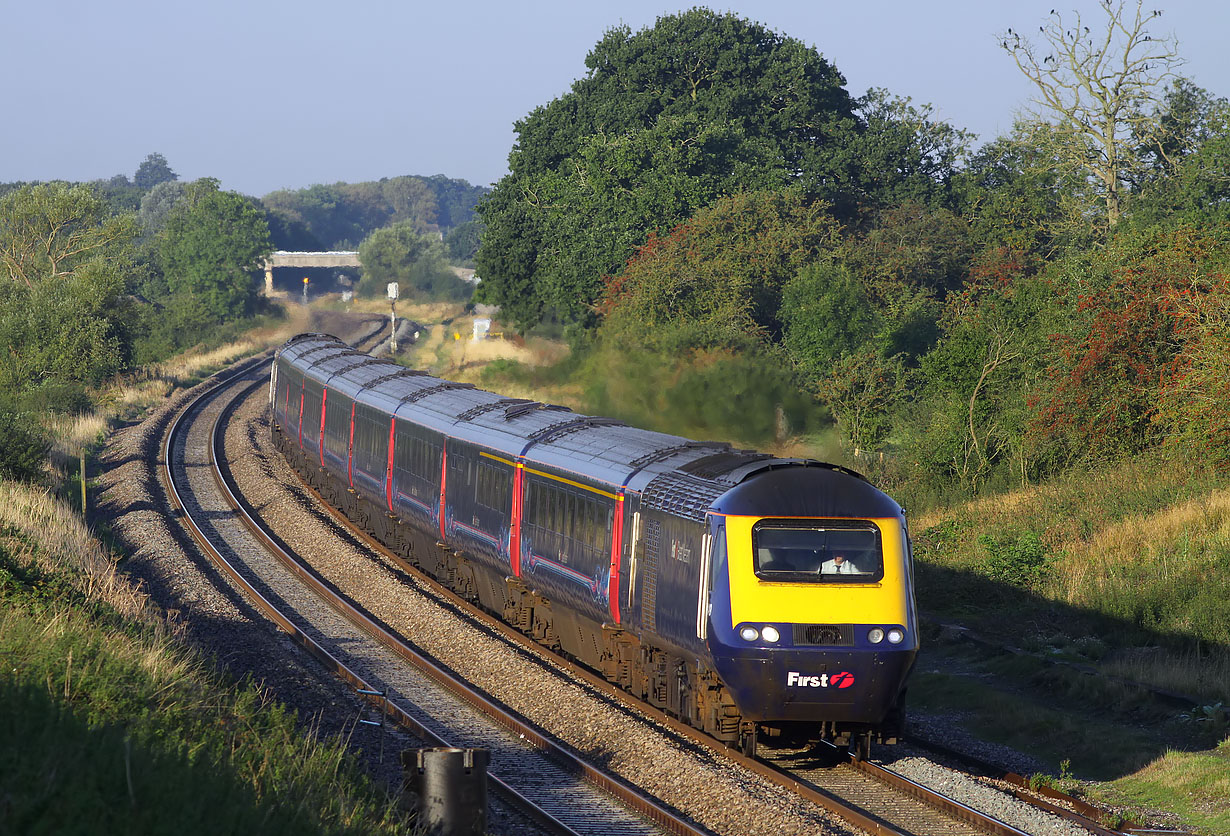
(838, 565)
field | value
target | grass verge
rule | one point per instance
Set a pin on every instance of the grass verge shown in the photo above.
(108, 724)
(1195, 785)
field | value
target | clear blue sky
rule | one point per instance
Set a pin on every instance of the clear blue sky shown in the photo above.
(271, 94)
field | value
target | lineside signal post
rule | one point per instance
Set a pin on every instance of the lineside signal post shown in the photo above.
(305, 284)
(393, 289)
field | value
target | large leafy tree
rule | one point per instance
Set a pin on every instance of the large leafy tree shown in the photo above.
(904, 154)
(340, 215)
(416, 262)
(720, 276)
(153, 170)
(1015, 197)
(66, 260)
(212, 250)
(666, 120)
(1188, 177)
(583, 223)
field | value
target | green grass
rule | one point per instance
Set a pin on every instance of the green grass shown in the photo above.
(1105, 730)
(108, 724)
(1128, 567)
(1195, 785)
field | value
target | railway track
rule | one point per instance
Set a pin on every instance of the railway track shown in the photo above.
(339, 633)
(863, 794)
(869, 796)
(561, 792)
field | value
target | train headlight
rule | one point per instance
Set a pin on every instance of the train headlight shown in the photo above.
(896, 635)
(770, 634)
(875, 635)
(749, 634)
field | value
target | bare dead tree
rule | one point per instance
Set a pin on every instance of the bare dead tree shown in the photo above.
(1099, 90)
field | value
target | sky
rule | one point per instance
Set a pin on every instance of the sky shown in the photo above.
(283, 94)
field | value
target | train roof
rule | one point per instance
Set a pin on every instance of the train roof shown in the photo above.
(685, 477)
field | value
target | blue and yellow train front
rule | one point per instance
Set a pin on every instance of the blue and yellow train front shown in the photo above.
(811, 620)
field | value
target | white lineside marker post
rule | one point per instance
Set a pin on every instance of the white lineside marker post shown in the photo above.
(392, 289)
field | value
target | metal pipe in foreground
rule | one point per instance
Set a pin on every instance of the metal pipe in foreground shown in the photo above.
(451, 785)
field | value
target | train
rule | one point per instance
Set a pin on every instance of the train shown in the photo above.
(749, 596)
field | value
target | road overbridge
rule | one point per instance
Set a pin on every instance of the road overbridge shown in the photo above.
(288, 258)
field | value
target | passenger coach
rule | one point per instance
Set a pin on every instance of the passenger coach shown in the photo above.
(742, 593)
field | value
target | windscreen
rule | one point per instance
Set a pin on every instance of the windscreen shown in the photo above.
(817, 551)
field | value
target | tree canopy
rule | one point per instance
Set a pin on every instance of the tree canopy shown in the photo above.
(67, 261)
(152, 171)
(340, 215)
(416, 262)
(666, 121)
(212, 249)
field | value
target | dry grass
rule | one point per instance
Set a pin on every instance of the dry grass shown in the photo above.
(1145, 537)
(1184, 673)
(994, 507)
(64, 541)
(1193, 784)
(1145, 543)
(131, 395)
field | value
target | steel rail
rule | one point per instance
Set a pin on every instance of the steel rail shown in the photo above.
(287, 625)
(646, 807)
(898, 783)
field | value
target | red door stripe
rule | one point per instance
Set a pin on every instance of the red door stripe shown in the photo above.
(514, 537)
(350, 451)
(388, 479)
(324, 399)
(617, 545)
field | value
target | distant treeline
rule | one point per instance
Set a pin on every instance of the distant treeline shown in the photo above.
(341, 215)
(105, 276)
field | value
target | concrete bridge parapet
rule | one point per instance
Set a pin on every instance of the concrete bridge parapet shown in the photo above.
(287, 258)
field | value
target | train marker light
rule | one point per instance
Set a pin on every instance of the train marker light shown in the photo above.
(896, 635)
(749, 634)
(770, 634)
(875, 635)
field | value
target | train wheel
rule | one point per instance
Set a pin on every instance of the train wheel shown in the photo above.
(747, 739)
(860, 746)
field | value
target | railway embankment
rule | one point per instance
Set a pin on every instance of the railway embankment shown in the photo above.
(117, 717)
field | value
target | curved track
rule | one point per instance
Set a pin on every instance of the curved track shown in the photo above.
(340, 634)
(557, 789)
(865, 794)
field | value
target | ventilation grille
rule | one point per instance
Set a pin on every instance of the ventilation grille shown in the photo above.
(712, 467)
(834, 635)
(649, 592)
(434, 390)
(681, 495)
(475, 411)
(557, 431)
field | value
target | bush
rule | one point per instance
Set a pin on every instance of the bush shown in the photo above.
(23, 446)
(1019, 561)
(748, 397)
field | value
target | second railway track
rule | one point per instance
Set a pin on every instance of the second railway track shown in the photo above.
(718, 795)
(562, 803)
